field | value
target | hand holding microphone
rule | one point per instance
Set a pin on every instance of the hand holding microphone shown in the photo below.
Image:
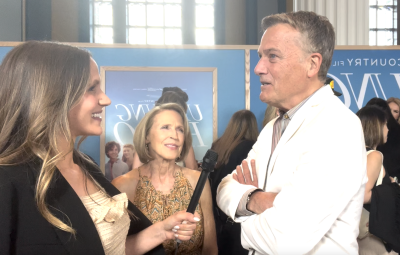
(209, 161)
(176, 226)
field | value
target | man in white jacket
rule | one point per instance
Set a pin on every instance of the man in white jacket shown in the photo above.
(309, 164)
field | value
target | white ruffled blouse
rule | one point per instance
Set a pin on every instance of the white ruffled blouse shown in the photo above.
(111, 219)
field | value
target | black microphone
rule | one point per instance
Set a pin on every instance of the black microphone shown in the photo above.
(209, 161)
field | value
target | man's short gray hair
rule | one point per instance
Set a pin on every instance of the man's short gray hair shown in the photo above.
(318, 35)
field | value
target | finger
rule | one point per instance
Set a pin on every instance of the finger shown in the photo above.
(185, 233)
(240, 175)
(182, 238)
(185, 216)
(254, 172)
(234, 176)
(184, 227)
(246, 172)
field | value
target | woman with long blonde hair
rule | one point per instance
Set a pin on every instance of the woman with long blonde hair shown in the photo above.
(232, 148)
(53, 198)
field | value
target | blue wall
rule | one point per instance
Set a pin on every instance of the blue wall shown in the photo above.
(359, 74)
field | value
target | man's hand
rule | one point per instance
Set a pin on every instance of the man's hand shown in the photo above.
(244, 177)
(261, 201)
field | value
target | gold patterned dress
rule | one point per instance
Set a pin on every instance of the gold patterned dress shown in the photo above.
(158, 206)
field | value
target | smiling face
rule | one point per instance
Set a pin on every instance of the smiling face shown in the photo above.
(85, 117)
(394, 108)
(166, 136)
(282, 67)
(113, 153)
(128, 153)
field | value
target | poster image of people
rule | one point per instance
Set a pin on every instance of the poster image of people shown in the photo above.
(134, 91)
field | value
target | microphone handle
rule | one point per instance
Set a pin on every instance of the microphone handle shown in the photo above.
(197, 191)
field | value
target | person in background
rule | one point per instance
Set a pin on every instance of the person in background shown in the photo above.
(114, 167)
(394, 104)
(178, 96)
(128, 153)
(54, 199)
(373, 121)
(232, 148)
(160, 187)
(391, 149)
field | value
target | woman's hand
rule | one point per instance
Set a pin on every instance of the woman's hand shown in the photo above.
(180, 225)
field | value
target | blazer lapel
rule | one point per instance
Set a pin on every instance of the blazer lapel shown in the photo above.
(304, 114)
(265, 150)
(291, 129)
(65, 204)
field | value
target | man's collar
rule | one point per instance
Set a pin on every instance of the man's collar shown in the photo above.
(290, 113)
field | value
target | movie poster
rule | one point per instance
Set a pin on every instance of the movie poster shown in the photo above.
(363, 74)
(134, 91)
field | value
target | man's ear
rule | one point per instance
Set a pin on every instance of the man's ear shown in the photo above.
(315, 61)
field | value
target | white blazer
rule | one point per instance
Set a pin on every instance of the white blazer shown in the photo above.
(319, 170)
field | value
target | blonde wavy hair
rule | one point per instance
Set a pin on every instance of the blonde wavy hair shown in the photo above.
(40, 82)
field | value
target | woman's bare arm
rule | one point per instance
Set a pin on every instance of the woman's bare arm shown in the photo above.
(127, 183)
(374, 165)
